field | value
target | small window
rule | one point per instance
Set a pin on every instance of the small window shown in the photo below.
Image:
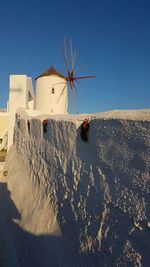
(53, 91)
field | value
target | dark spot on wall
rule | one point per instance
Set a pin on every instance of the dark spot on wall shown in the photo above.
(84, 130)
(45, 123)
(28, 125)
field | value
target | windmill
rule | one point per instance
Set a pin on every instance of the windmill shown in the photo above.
(71, 77)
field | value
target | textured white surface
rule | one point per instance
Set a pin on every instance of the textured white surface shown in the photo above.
(56, 103)
(2, 165)
(3, 124)
(81, 204)
(21, 90)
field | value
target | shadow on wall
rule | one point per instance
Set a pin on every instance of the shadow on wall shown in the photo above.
(80, 195)
(101, 168)
(31, 250)
(91, 194)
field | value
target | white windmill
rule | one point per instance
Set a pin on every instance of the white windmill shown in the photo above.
(51, 86)
(51, 92)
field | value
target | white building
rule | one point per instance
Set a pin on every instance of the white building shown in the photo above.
(51, 98)
(51, 92)
(3, 124)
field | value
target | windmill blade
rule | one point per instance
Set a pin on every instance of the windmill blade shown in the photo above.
(61, 92)
(74, 99)
(77, 93)
(65, 55)
(65, 59)
(68, 97)
(66, 62)
(76, 70)
(75, 102)
(73, 89)
(78, 81)
(71, 85)
(59, 83)
(84, 77)
(72, 57)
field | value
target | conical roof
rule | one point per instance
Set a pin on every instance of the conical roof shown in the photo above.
(50, 71)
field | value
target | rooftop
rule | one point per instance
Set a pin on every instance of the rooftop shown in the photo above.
(50, 71)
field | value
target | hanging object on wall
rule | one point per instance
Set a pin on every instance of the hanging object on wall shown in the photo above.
(45, 123)
(84, 130)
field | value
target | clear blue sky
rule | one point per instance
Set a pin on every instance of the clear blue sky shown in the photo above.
(112, 38)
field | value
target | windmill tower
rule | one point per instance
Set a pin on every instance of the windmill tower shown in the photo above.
(51, 92)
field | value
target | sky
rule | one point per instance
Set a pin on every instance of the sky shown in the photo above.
(112, 38)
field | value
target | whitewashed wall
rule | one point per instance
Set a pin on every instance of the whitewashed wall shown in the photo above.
(3, 124)
(56, 103)
(20, 88)
(99, 191)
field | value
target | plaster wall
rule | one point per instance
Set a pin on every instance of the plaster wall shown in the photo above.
(3, 124)
(35, 112)
(31, 95)
(98, 192)
(30, 105)
(56, 103)
(21, 90)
